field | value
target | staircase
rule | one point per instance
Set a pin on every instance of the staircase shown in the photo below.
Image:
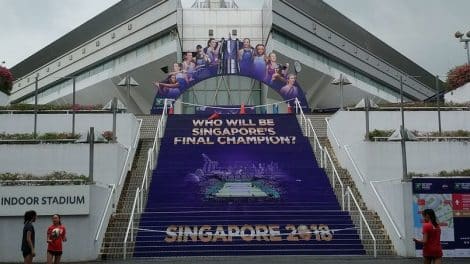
(223, 199)
(384, 244)
(114, 237)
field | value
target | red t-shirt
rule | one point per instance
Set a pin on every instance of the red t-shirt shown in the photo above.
(55, 237)
(432, 248)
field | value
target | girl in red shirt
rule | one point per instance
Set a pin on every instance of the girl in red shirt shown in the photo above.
(432, 250)
(55, 236)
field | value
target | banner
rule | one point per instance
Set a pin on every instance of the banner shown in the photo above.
(45, 200)
(450, 199)
(230, 56)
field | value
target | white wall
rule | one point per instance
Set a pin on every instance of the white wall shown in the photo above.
(43, 158)
(4, 99)
(81, 230)
(380, 162)
(38, 159)
(459, 95)
(126, 124)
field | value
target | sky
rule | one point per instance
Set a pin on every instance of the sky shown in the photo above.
(422, 30)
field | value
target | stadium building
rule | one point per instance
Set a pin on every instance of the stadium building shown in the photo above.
(142, 39)
(230, 143)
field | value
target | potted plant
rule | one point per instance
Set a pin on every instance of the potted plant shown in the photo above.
(108, 135)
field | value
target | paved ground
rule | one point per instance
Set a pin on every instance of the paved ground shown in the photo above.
(286, 260)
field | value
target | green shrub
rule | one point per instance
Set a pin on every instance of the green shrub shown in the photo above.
(380, 133)
(45, 136)
(53, 178)
(43, 107)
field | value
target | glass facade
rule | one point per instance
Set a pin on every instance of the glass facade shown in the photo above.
(65, 87)
(356, 76)
(223, 91)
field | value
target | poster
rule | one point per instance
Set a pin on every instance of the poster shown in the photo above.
(450, 199)
(231, 56)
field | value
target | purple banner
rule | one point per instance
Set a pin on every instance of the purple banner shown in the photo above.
(230, 56)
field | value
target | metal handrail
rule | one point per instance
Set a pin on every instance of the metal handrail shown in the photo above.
(127, 164)
(356, 168)
(141, 191)
(336, 175)
(105, 212)
(350, 194)
(328, 127)
(130, 227)
(379, 198)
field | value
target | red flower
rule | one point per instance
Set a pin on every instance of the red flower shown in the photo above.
(6, 80)
(458, 76)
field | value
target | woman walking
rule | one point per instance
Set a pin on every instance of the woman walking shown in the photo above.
(432, 249)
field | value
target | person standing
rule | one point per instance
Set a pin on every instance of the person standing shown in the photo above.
(55, 235)
(27, 242)
(432, 249)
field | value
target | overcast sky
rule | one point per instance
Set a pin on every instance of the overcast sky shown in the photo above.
(422, 30)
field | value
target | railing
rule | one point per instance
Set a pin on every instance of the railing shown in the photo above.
(105, 211)
(330, 168)
(328, 127)
(356, 168)
(362, 178)
(362, 218)
(142, 191)
(127, 166)
(205, 4)
(328, 165)
(379, 198)
(133, 147)
(130, 225)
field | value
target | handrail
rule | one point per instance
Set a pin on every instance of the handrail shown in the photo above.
(136, 139)
(379, 198)
(325, 160)
(350, 194)
(130, 227)
(105, 212)
(356, 168)
(336, 175)
(152, 154)
(132, 148)
(328, 127)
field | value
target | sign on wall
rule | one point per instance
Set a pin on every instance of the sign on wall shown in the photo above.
(231, 56)
(450, 199)
(45, 200)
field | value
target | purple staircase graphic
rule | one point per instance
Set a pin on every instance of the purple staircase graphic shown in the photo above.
(263, 194)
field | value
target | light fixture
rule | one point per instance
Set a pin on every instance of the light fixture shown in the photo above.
(458, 34)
